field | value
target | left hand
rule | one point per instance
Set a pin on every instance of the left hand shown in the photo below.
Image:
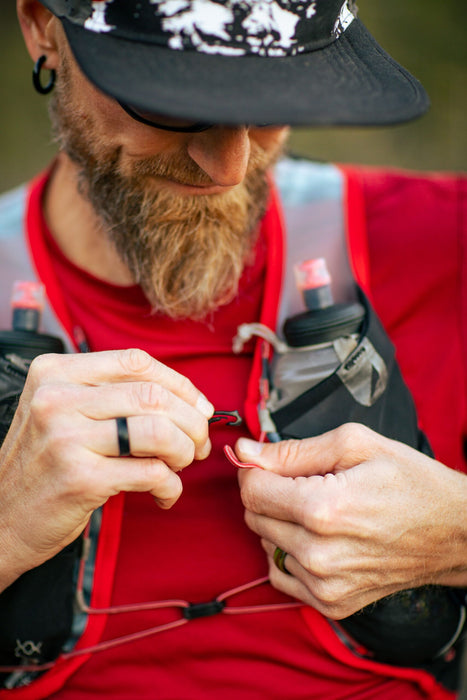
(360, 516)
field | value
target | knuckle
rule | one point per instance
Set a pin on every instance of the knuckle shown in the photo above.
(45, 403)
(200, 432)
(331, 595)
(59, 440)
(316, 562)
(166, 487)
(41, 367)
(250, 497)
(316, 516)
(351, 437)
(171, 495)
(148, 395)
(289, 451)
(186, 387)
(134, 361)
(186, 457)
(168, 439)
(319, 518)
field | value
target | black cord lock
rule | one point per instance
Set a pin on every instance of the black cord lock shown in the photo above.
(195, 610)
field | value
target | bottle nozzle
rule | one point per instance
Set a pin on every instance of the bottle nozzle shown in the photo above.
(27, 303)
(314, 281)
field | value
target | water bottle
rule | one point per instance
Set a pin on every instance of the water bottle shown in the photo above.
(317, 340)
(35, 610)
(19, 345)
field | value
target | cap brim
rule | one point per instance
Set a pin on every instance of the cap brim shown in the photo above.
(350, 82)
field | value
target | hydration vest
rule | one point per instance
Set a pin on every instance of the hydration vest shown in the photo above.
(318, 206)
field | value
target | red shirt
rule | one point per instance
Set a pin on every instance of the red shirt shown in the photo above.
(201, 547)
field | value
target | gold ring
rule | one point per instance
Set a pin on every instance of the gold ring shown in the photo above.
(279, 559)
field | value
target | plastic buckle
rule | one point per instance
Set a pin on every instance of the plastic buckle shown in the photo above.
(195, 610)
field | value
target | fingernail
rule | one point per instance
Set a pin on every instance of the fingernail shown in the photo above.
(204, 406)
(249, 448)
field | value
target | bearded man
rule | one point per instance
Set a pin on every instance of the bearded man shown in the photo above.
(336, 567)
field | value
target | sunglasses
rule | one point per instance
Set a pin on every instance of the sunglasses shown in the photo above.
(170, 123)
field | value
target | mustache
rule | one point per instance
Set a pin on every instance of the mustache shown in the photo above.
(175, 168)
(183, 170)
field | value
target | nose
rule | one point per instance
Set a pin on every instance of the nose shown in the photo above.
(222, 153)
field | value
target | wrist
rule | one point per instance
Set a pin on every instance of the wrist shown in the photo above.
(13, 561)
(454, 546)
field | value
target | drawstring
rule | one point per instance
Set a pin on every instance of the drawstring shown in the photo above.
(189, 611)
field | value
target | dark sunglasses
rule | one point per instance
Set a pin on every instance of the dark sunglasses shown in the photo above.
(169, 123)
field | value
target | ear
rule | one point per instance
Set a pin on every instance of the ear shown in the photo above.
(39, 27)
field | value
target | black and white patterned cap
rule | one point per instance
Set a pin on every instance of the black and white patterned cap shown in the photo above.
(240, 61)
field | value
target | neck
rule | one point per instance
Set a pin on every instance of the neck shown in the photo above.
(76, 228)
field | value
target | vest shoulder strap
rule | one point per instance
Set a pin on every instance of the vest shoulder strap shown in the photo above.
(16, 263)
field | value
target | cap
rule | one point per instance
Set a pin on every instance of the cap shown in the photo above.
(297, 62)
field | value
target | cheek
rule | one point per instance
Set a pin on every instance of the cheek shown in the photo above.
(116, 130)
(270, 139)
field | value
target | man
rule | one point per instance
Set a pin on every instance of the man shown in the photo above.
(155, 229)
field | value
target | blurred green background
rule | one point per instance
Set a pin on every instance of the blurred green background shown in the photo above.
(427, 36)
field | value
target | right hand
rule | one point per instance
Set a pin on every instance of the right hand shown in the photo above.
(60, 462)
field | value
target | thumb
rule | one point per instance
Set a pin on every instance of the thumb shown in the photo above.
(337, 450)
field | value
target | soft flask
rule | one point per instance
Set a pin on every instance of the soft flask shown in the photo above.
(35, 610)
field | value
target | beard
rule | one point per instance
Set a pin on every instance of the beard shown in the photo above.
(186, 252)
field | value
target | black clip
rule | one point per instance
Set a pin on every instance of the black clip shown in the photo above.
(230, 417)
(195, 610)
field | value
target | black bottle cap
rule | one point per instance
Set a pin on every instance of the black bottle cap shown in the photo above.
(324, 325)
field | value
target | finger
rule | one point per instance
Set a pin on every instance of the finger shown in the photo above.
(336, 450)
(318, 555)
(64, 405)
(141, 475)
(289, 536)
(327, 505)
(335, 597)
(87, 480)
(147, 400)
(310, 558)
(114, 366)
(292, 583)
(302, 585)
(299, 500)
(149, 436)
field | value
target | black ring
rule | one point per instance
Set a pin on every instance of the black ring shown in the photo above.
(279, 559)
(124, 449)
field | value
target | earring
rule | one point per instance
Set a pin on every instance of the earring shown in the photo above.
(36, 79)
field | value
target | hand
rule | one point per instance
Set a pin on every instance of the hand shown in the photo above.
(59, 461)
(360, 516)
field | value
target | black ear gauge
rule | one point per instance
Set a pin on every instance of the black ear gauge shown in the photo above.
(36, 77)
